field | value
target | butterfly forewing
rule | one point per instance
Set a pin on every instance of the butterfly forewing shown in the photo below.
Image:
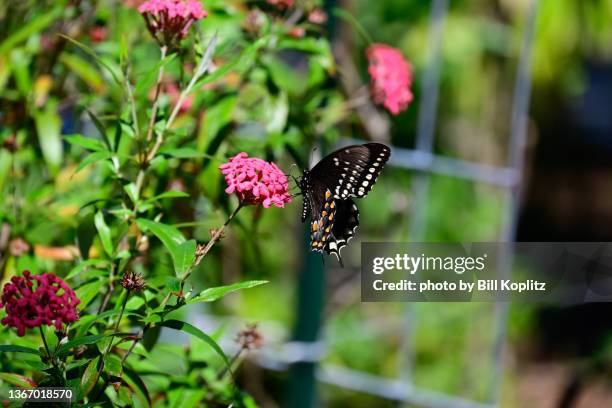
(353, 170)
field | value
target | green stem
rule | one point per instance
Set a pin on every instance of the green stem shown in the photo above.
(115, 330)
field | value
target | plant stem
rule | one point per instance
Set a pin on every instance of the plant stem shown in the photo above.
(201, 254)
(160, 77)
(112, 337)
(44, 339)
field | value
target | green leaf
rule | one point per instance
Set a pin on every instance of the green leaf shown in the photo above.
(48, 128)
(83, 70)
(85, 264)
(138, 386)
(26, 31)
(85, 322)
(212, 294)
(173, 284)
(112, 365)
(182, 251)
(17, 380)
(194, 331)
(105, 233)
(116, 76)
(89, 379)
(88, 292)
(284, 76)
(167, 194)
(182, 152)
(148, 79)
(170, 236)
(10, 348)
(184, 257)
(92, 158)
(131, 191)
(85, 142)
(64, 349)
(101, 129)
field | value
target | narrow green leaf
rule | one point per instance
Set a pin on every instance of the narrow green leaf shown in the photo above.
(100, 263)
(10, 348)
(17, 380)
(105, 233)
(101, 129)
(89, 379)
(83, 70)
(64, 349)
(85, 142)
(48, 127)
(212, 294)
(182, 152)
(138, 386)
(92, 53)
(194, 331)
(131, 191)
(184, 257)
(167, 194)
(92, 158)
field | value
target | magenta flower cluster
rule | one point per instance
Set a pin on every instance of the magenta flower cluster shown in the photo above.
(255, 181)
(35, 300)
(391, 77)
(169, 20)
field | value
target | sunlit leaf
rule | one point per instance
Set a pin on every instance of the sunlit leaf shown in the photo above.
(194, 331)
(48, 127)
(212, 294)
(105, 233)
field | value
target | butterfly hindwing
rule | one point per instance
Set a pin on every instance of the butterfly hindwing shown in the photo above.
(344, 227)
(322, 224)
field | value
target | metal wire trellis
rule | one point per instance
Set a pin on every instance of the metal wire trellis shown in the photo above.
(425, 162)
(303, 356)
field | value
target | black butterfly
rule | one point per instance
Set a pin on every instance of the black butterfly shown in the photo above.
(328, 188)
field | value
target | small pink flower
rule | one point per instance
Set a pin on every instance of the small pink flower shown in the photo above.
(169, 20)
(391, 77)
(51, 302)
(255, 181)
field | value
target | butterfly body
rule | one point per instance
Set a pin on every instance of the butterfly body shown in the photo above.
(328, 189)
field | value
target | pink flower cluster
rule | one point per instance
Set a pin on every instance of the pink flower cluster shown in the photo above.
(51, 302)
(391, 77)
(255, 181)
(169, 20)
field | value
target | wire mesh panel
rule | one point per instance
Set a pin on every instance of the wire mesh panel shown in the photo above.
(424, 162)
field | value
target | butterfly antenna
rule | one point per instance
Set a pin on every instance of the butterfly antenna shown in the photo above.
(340, 260)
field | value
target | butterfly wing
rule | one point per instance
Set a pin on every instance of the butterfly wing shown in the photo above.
(351, 171)
(344, 227)
(328, 188)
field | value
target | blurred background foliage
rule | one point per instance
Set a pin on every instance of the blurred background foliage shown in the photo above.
(275, 102)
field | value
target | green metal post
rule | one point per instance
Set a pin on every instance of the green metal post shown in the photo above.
(310, 295)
